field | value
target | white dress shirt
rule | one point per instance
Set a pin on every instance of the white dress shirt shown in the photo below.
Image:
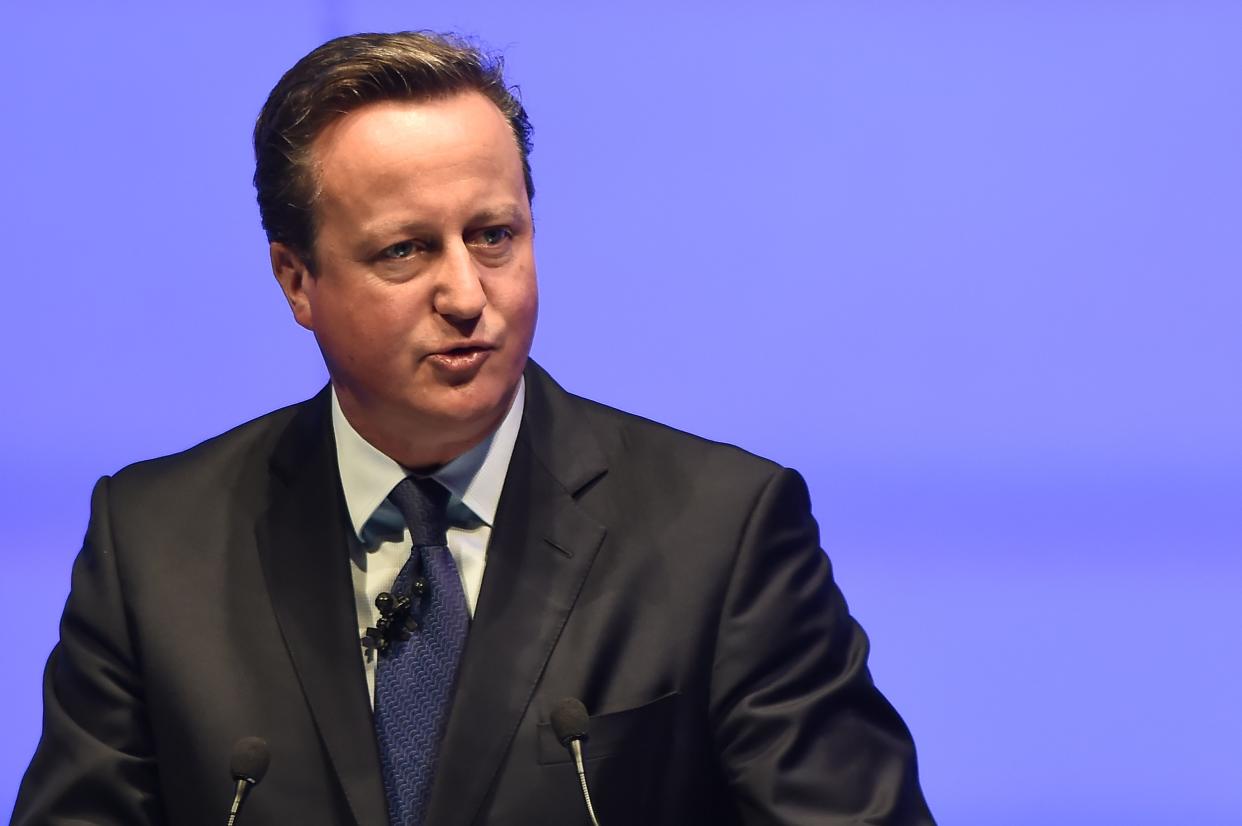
(474, 481)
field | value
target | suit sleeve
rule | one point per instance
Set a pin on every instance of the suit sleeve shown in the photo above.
(804, 735)
(94, 763)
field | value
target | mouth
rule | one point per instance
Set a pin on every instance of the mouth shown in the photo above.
(462, 360)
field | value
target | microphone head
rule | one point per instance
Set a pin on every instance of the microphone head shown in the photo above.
(569, 721)
(249, 759)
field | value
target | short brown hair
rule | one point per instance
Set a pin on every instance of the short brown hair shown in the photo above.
(345, 74)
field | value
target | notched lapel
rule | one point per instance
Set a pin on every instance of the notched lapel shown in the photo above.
(303, 546)
(542, 548)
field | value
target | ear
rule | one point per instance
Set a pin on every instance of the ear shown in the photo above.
(296, 282)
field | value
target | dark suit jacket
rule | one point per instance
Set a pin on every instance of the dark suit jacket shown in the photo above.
(674, 585)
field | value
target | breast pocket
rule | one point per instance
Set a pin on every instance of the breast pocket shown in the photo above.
(612, 732)
(625, 753)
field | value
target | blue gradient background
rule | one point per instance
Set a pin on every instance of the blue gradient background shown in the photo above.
(972, 267)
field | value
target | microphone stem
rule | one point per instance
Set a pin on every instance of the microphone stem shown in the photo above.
(575, 746)
(243, 786)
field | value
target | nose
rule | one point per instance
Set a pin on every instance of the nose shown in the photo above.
(459, 294)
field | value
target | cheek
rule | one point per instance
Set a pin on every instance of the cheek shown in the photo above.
(364, 335)
(518, 300)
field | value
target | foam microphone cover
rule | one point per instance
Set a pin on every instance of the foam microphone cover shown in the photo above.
(250, 758)
(569, 721)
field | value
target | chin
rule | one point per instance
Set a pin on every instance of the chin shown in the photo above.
(464, 408)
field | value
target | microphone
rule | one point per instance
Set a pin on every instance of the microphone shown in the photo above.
(248, 763)
(569, 722)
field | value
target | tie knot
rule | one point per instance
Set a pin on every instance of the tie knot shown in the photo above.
(423, 503)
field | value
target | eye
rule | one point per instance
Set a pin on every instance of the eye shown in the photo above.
(398, 251)
(494, 236)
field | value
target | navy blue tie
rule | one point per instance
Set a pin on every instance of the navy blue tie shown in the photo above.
(415, 677)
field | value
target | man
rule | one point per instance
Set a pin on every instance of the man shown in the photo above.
(396, 582)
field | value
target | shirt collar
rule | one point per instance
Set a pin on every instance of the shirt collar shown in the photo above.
(474, 478)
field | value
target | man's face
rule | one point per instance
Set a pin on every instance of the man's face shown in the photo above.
(423, 300)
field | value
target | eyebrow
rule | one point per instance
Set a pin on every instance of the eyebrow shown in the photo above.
(508, 213)
(511, 213)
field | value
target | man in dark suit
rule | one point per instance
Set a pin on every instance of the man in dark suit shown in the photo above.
(547, 546)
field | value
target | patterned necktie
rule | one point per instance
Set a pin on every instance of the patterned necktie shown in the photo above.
(414, 678)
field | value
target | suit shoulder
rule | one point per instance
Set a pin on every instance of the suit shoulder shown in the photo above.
(668, 486)
(654, 445)
(243, 448)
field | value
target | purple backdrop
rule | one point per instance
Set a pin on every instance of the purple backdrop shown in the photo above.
(973, 267)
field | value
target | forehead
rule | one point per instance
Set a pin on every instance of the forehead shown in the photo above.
(416, 149)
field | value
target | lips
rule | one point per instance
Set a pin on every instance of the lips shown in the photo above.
(464, 349)
(461, 361)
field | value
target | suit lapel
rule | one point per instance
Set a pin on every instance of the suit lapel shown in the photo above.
(303, 546)
(541, 550)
